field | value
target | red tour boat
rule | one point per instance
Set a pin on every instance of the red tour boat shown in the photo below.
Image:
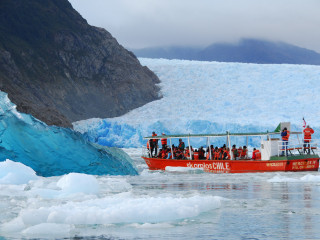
(298, 156)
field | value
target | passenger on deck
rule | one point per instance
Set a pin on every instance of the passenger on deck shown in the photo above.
(285, 139)
(196, 154)
(308, 131)
(208, 154)
(256, 155)
(234, 151)
(244, 154)
(216, 155)
(201, 153)
(169, 155)
(226, 154)
(163, 141)
(179, 154)
(154, 144)
(163, 153)
(181, 144)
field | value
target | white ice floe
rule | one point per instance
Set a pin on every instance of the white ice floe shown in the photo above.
(15, 173)
(307, 178)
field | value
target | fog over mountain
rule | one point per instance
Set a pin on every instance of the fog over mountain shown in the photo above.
(245, 51)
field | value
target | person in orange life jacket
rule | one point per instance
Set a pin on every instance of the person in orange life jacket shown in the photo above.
(163, 142)
(208, 155)
(154, 144)
(285, 138)
(181, 144)
(244, 152)
(216, 155)
(308, 131)
(196, 155)
(226, 154)
(234, 151)
(254, 154)
(163, 153)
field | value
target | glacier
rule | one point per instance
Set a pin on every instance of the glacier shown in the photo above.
(53, 151)
(215, 97)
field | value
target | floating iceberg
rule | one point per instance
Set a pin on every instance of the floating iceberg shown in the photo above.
(51, 150)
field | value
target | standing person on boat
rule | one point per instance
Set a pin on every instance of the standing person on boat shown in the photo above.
(181, 144)
(163, 142)
(154, 144)
(308, 131)
(285, 139)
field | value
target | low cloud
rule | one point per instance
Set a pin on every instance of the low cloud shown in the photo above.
(147, 23)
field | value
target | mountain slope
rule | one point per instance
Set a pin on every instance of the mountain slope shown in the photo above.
(58, 68)
(246, 51)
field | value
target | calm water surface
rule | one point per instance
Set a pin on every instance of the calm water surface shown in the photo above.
(244, 206)
(254, 205)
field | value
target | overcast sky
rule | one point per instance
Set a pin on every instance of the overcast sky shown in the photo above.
(148, 23)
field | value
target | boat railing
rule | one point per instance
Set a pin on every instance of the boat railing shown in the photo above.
(145, 152)
(298, 148)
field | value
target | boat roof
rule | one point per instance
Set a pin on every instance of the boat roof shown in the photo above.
(217, 135)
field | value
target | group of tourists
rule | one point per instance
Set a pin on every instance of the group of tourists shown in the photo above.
(285, 134)
(183, 152)
(217, 153)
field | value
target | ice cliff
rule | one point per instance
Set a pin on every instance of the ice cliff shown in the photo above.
(51, 150)
(213, 97)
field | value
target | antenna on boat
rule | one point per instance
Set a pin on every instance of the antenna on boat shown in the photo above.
(208, 141)
(171, 148)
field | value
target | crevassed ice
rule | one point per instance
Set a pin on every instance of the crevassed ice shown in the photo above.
(214, 97)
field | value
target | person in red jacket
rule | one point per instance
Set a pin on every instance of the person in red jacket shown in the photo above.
(244, 153)
(216, 155)
(308, 131)
(255, 154)
(163, 142)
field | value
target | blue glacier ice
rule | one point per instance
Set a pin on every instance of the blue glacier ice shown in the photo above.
(215, 97)
(51, 150)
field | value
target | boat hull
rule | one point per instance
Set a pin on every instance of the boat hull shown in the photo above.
(237, 166)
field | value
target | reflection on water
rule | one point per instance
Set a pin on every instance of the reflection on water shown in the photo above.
(254, 208)
(249, 206)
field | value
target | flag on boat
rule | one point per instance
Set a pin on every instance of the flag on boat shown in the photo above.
(278, 128)
(304, 124)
